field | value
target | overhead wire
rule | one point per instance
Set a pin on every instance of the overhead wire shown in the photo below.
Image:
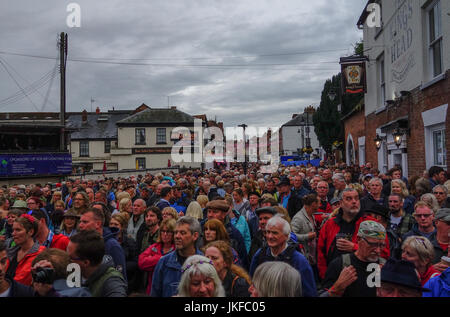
(45, 98)
(19, 95)
(18, 85)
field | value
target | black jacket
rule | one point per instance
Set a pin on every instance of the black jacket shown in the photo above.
(367, 202)
(237, 289)
(294, 204)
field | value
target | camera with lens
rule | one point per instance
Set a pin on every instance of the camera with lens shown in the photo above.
(43, 275)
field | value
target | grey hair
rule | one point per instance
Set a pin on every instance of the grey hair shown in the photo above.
(199, 264)
(278, 220)
(277, 279)
(445, 189)
(338, 177)
(376, 179)
(431, 200)
(194, 225)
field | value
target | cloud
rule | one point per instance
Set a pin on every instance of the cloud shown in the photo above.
(227, 59)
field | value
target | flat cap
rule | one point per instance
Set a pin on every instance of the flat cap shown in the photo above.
(266, 210)
(443, 214)
(218, 205)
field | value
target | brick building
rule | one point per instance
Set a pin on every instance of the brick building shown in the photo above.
(408, 88)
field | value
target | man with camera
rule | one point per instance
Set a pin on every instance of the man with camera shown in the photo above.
(10, 288)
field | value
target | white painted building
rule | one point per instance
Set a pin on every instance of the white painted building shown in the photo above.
(298, 133)
(127, 140)
(407, 80)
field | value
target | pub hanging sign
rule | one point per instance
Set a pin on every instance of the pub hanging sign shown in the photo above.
(353, 75)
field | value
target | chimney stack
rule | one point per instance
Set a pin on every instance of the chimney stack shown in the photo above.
(84, 116)
(97, 111)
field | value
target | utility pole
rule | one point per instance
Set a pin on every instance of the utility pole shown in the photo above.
(62, 65)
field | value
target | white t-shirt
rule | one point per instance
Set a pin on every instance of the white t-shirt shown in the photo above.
(395, 221)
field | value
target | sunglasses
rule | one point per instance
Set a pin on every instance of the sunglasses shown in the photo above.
(422, 215)
(374, 245)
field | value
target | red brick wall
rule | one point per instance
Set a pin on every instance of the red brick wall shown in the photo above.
(355, 125)
(413, 106)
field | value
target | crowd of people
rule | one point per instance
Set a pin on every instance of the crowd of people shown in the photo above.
(301, 231)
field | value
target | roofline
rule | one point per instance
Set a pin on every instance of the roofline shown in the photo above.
(364, 14)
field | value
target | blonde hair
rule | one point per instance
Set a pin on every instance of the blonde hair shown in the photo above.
(172, 211)
(283, 213)
(122, 218)
(422, 246)
(123, 203)
(405, 192)
(202, 200)
(194, 210)
(122, 195)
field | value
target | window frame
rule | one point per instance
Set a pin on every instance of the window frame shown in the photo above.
(84, 148)
(436, 28)
(158, 136)
(138, 159)
(381, 80)
(140, 135)
(433, 130)
(107, 146)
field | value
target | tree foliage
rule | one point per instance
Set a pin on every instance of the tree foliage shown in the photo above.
(327, 118)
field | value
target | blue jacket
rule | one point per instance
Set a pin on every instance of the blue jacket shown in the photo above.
(61, 287)
(238, 243)
(167, 275)
(293, 258)
(241, 224)
(114, 249)
(408, 204)
(439, 285)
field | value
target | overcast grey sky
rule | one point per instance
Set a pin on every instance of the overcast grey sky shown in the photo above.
(229, 41)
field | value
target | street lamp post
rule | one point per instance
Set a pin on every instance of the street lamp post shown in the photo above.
(245, 148)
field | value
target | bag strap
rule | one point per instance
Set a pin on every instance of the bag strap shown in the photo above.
(232, 283)
(346, 260)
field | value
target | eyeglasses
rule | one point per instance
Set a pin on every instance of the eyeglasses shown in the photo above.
(438, 193)
(422, 215)
(421, 241)
(166, 231)
(375, 244)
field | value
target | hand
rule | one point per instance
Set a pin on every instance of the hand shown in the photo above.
(42, 289)
(43, 263)
(346, 278)
(312, 235)
(440, 266)
(344, 245)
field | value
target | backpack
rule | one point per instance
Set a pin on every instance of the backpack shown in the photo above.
(97, 287)
(346, 261)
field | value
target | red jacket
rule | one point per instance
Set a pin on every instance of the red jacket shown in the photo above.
(431, 272)
(23, 270)
(60, 241)
(326, 237)
(148, 260)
